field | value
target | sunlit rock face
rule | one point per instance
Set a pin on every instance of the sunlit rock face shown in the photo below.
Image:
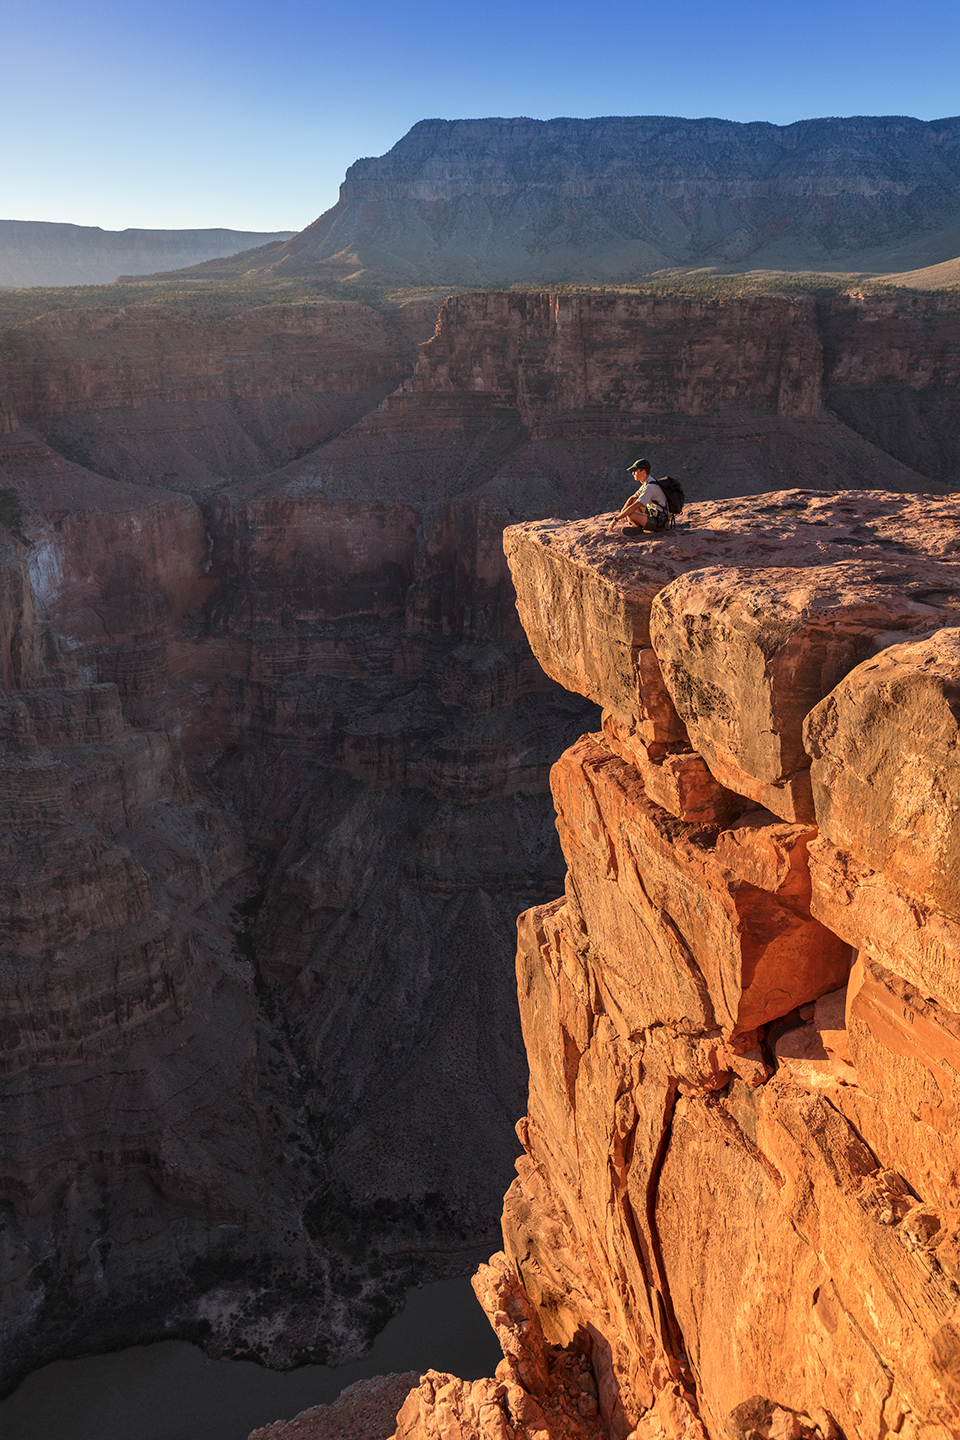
(736, 1213)
(276, 750)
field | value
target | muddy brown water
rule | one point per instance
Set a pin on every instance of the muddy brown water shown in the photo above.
(172, 1391)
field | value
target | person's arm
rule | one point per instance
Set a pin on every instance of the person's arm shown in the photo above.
(632, 507)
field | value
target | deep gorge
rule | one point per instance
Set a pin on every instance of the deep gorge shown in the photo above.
(275, 751)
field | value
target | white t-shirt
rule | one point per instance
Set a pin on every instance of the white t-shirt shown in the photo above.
(651, 494)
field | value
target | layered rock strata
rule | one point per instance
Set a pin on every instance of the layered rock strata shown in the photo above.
(275, 792)
(152, 396)
(737, 1206)
(142, 1154)
(534, 390)
(506, 201)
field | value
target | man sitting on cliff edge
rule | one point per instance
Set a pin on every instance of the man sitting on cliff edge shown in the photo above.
(647, 508)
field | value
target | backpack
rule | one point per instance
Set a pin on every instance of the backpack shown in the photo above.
(674, 493)
(675, 497)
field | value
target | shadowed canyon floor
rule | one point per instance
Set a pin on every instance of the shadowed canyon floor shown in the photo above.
(276, 750)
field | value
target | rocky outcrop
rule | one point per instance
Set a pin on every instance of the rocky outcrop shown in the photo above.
(364, 1410)
(37, 252)
(506, 201)
(536, 1389)
(736, 1209)
(736, 638)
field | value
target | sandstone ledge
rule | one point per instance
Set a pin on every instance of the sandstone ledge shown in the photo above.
(721, 636)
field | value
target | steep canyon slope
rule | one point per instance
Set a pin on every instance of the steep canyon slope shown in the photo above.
(276, 748)
(736, 1215)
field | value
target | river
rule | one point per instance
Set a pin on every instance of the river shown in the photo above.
(172, 1391)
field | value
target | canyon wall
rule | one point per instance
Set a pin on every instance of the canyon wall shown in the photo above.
(712, 387)
(736, 1212)
(891, 368)
(152, 1151)
(277, 753)
(268, 826)
(150, 395)
(517, 201)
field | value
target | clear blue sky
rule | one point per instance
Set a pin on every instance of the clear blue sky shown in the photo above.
(164, 113)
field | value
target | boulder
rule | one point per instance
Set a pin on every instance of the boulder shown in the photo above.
(746, 653)
(886, 768)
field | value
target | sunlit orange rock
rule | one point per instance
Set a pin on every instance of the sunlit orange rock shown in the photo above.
(724, 910)
(886, 768)
(746, 654)
(740, 1192)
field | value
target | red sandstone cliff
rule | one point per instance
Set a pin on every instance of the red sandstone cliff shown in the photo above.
(736, 1214)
